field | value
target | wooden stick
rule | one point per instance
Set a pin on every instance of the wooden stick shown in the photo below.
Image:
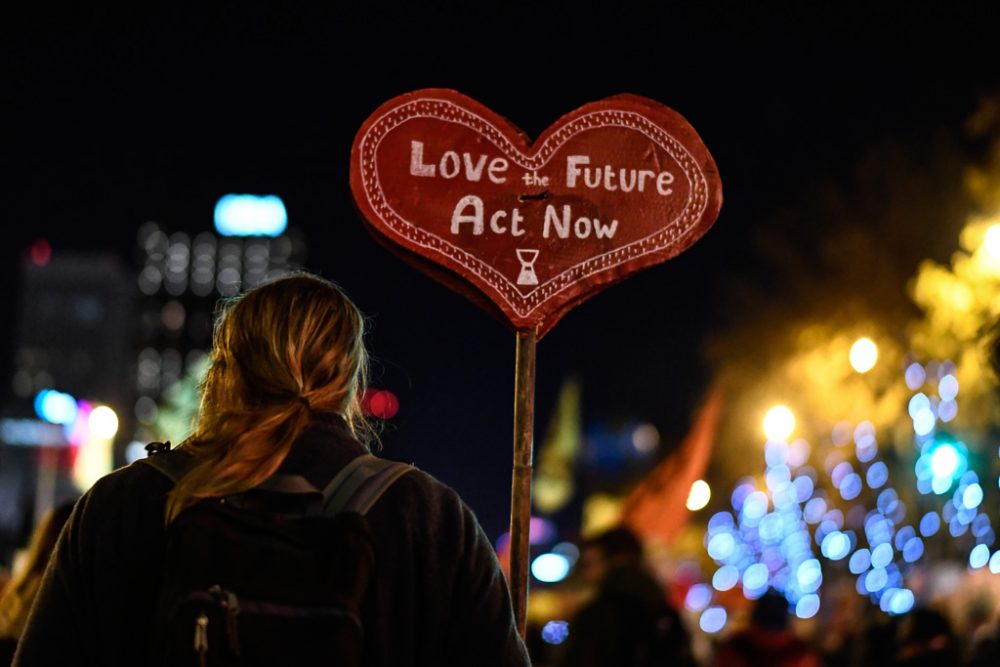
(520, 491)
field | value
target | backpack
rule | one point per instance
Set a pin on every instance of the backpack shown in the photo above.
(273, 576)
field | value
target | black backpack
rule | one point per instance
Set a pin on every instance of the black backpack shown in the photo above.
(274, 576)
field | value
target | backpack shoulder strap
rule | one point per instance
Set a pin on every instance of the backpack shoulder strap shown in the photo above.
(356, 488)
(173, 463)
(359, 485)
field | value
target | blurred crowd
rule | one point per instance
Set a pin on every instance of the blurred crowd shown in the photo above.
(629, 620)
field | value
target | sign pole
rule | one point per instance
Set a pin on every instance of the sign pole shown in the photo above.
(520, 499)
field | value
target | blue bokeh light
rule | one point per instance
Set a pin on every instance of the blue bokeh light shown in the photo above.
(972, 496)
(881, 555)
(877, 474)
(836, 545)
(550, 567)
(720, 521)
(555, 632)
(915, 376)
(948, 388)
(698, 597)
(755, 505)
(901, 601)
(721, 545)
(814, 510)
(755, 577)
(944, 460)
(924, 422)
(250, 215)
(850, 487)
(809, 575)
(804, 487)
(918, 403)
(876, 580)
(55, 407)
(712, 620)
(725, 578)
(807, 606)
(979, 556)
(740, 493)
(860, 560)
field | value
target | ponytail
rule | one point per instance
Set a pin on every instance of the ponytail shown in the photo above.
(280, 352)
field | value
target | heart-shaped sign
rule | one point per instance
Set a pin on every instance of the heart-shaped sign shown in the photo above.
(529, 230)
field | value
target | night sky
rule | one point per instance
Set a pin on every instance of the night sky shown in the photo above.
(114, 119)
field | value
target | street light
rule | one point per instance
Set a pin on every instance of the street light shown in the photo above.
(779, 422)
(864, 354)
(103, 422)
(991, 243)
(699, 495)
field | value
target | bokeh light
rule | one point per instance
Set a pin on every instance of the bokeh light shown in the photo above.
(948, 388)
(555, 632)
(755, 577)
(250, 215)
(699, 495)
(900, 602)
(103, 422)
(725, 578)
(913, 549)
(836, 545)
(991, 242)
(55, 407)
(972, 496)
(698, 597)
(712, 620)
(550, 567)
(863, 355)
(807, 606)
(860, 560)
(779, 423)
(567, 549)
(945, 460)
(979, 556)
(915, 376)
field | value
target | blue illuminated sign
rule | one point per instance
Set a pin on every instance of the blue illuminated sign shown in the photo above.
(250, 215)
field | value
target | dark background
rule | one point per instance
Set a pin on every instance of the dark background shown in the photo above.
(114, 118)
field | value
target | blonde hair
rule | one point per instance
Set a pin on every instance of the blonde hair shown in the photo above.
(280, 352)
(20, 592)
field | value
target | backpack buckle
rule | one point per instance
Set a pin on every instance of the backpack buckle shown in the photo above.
(155, 448)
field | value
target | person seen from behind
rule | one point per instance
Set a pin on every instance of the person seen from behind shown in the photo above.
(629, 623)
(280, 403)
(768, 641)
(925, 638)
(20, 591)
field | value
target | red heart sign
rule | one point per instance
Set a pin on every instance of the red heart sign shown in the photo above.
(611, 188)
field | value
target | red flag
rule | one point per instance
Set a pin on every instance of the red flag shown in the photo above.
(657, 508)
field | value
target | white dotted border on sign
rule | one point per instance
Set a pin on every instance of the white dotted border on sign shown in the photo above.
(524, 304)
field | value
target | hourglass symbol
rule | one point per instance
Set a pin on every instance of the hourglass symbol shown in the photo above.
(527, 258)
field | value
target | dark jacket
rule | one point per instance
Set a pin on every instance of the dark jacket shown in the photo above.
(438, 596)
(628, 624)
(762, 646)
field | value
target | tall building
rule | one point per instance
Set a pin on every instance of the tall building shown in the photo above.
(73, 336)
(181, 280)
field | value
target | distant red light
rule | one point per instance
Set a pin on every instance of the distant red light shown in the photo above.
(41, 252)
(380, 403)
